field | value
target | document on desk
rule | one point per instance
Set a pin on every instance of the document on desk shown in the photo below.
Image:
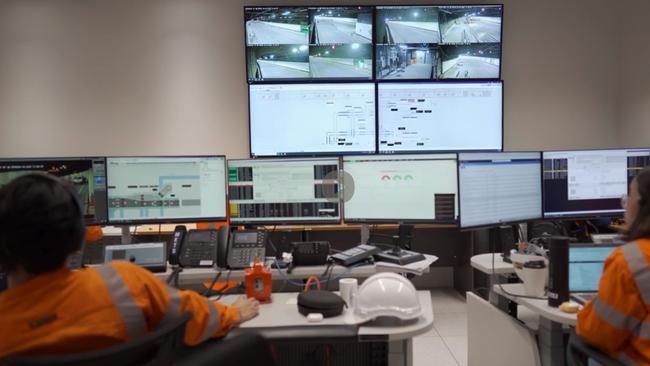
(417, 268)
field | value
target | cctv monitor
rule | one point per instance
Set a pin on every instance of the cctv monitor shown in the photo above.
(440, 116)
(400, 188)
(312, 119)
(589, 183)
(308, 43)
(424, 42)
(499, 188)
(86, 174)
(284, 191)
(166, 189)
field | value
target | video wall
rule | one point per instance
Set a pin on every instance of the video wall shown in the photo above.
(351, 80)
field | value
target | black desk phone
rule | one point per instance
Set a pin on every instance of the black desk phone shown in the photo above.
(246, 246)
(205, 248)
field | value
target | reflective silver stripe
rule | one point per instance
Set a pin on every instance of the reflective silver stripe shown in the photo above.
(639, 268)
(124, 302)
(213, 322)
(173, 307)
(615, 317)
(626, 360)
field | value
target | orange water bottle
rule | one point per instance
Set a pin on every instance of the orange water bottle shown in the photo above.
(258, 282)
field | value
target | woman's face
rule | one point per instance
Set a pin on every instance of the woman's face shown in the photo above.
(632, 205)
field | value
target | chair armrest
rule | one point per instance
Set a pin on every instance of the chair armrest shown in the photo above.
(578, 352)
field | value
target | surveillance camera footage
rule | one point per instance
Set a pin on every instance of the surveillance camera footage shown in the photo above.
(471, 24)
(476, 61)
(412, 24)
(278, 62)
(273, 26)
(407, 62)
(341, 25)
(341, 61)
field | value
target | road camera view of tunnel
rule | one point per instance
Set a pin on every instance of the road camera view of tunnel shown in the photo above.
(277, 26)
(406, 62)
(340, 25)
(341, 61)
(278, 62)
(477, 61)
(407, 25)
(470, 24)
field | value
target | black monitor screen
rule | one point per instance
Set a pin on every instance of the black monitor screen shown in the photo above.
(586, 183)
(438, 42)
(166, 189)
(282, 191)
(87, 175)
(302, 43)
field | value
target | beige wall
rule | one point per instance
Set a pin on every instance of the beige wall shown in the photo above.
(120, 77)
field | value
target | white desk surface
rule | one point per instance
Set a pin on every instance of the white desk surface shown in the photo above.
(283, 312)
(539, 307)
(483, 262)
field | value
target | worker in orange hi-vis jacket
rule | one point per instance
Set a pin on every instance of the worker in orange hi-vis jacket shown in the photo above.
(617, 321)
(49, 309)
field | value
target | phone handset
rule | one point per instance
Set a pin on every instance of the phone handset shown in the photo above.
(177, 244)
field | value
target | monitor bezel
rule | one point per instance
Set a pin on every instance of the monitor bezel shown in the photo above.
(311, 80)
(87, 221)
(309, 154)
(401, 220)
(129, 222)
(507, 222)
(265, 221)
(581, 216)
(375, 44)
(475, 81)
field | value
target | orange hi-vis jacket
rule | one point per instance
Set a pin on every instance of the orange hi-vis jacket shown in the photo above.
(74, 311)
(618, 320)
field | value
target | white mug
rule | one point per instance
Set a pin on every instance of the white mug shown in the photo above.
(534, 281)
(348, 289)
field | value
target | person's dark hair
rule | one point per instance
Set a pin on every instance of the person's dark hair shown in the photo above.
(41, 223)
(640, 227)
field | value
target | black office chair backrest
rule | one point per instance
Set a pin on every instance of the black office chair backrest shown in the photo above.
(578, 353)
(246, 349)
(157, 348)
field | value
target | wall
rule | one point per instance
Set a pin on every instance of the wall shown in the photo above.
(120, 77)
(634, 87)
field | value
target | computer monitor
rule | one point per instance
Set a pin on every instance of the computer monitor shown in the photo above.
(499, 188)
(284, 191)
(309, 43)
(86, 174)
(586, 262)
(166, 189)
(589, 183)
(404, 188)
(425, 42)
(312, 119)
(440, 116)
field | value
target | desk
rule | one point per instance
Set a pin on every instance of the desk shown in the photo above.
(483, 263)
(280, 320)
(552, 321)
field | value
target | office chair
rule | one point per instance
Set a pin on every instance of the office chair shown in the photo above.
(157, 348)
(578, 353)
(248, 349)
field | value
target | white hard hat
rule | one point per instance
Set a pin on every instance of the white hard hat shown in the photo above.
(387, 294)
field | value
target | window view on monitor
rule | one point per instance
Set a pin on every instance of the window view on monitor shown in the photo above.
(166, 189)
(312, 119)
(404, 188)
(420, 117)
(87, 175)
(586, 266)
(438, 42)
(589, 182)
(499, 188)
(284, 191)
(293, 43)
